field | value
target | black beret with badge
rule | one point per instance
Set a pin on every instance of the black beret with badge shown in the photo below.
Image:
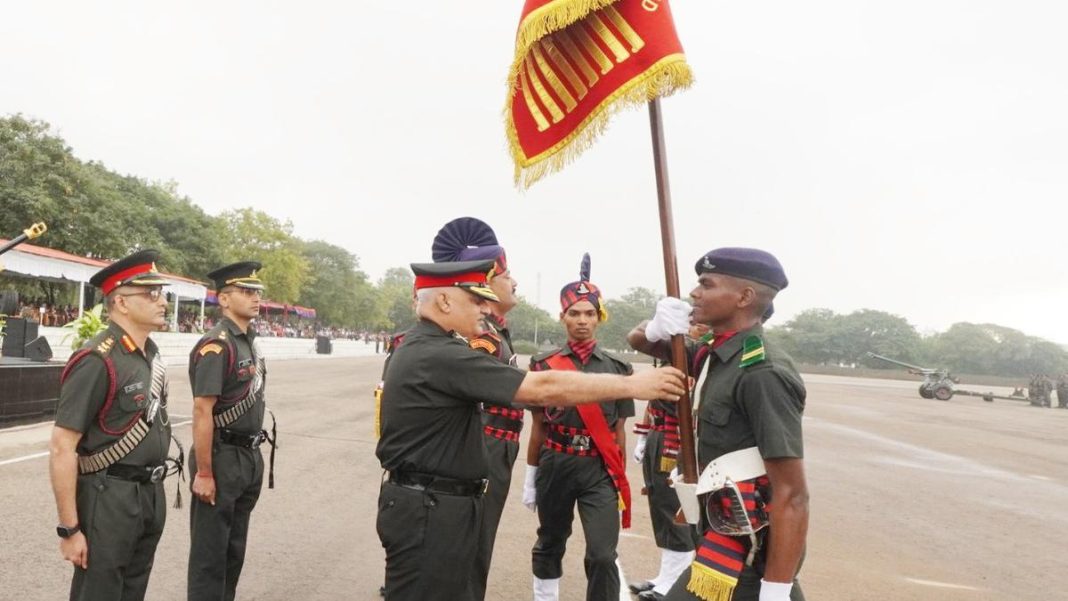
(747, 263)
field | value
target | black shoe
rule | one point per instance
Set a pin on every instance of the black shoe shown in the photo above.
(382, 590)
(650, 595)
(640, 587)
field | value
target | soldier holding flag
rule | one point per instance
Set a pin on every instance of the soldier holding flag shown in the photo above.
(109, 444)
(754, 508)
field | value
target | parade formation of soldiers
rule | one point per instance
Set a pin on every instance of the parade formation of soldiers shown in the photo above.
(450, 414)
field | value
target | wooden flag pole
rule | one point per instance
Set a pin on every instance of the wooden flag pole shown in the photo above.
(687, 456)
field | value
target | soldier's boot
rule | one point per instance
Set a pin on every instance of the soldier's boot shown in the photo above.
(672, 565)
(546, 589)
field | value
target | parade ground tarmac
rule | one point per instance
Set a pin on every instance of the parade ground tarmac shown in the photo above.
(911, 499)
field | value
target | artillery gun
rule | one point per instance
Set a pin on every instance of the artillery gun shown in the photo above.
(940, 384)
(937, 383)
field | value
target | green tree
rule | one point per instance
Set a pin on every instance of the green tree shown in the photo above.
(395, 295)
(525, 319)
(637, 305)
(332, 283)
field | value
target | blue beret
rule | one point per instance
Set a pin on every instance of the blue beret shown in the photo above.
(746, 263)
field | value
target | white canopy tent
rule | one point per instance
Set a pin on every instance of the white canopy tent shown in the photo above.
(38, 262)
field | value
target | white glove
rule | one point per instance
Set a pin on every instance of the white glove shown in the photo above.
(775, 591)
(529, 490)
(639, 449)
(672, 317)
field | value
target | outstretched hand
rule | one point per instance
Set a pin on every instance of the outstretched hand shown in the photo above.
(663, 383)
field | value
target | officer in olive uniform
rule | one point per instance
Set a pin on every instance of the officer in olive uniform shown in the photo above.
(576, 457)
(750, 407)
(228, 374)
(430, 508)
(109, 445)
(470, 239)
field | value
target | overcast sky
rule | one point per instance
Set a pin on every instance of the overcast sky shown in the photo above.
(906, 156)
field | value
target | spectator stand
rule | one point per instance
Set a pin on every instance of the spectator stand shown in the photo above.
(47, 264)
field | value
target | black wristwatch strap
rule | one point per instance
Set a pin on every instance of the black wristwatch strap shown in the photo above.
(67, 531)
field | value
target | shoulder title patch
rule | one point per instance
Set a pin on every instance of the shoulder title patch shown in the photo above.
(211, 347)
(484, 345)
(752, 351)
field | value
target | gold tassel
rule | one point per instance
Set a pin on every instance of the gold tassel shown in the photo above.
(667, 464)
(622, 505)
(664, 78)
(709, 584)
(378, 411)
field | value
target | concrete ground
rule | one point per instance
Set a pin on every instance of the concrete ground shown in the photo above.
(911, 499)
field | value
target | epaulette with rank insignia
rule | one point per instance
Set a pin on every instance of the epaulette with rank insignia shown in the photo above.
(752, 351)
(105, 345)
(489, 342)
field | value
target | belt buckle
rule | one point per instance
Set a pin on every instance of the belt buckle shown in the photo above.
(256, 441)
(580, 442)
(485, 487)
(158, 473)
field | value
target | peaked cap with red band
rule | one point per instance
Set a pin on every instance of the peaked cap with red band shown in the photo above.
(138, 269)
(469, 239)
(472, 276)
(583, 290)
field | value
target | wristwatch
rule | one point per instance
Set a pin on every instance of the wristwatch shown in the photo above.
(67, 531)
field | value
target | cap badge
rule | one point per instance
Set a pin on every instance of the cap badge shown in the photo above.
(582, 289)
(708, 264)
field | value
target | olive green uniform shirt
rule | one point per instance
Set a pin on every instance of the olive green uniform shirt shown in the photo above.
(759, 405)
(213, 372)
(83, 397)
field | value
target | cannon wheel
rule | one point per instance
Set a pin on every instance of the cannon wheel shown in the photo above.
(925, 392)
(943, 393)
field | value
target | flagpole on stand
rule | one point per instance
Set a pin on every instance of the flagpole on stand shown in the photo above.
(687, 457)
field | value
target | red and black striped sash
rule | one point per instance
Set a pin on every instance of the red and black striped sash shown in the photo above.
(504, 423)
(721, 558)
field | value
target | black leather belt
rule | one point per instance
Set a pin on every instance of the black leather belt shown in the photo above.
(138, 473)
(242, 439)
(440, 485)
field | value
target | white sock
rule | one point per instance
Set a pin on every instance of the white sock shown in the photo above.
(672, 565)
(546, 589)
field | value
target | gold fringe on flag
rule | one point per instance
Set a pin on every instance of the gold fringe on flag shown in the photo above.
(664, 78)
(545, 20)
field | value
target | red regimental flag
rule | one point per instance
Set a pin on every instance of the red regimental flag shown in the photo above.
(576, 63)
